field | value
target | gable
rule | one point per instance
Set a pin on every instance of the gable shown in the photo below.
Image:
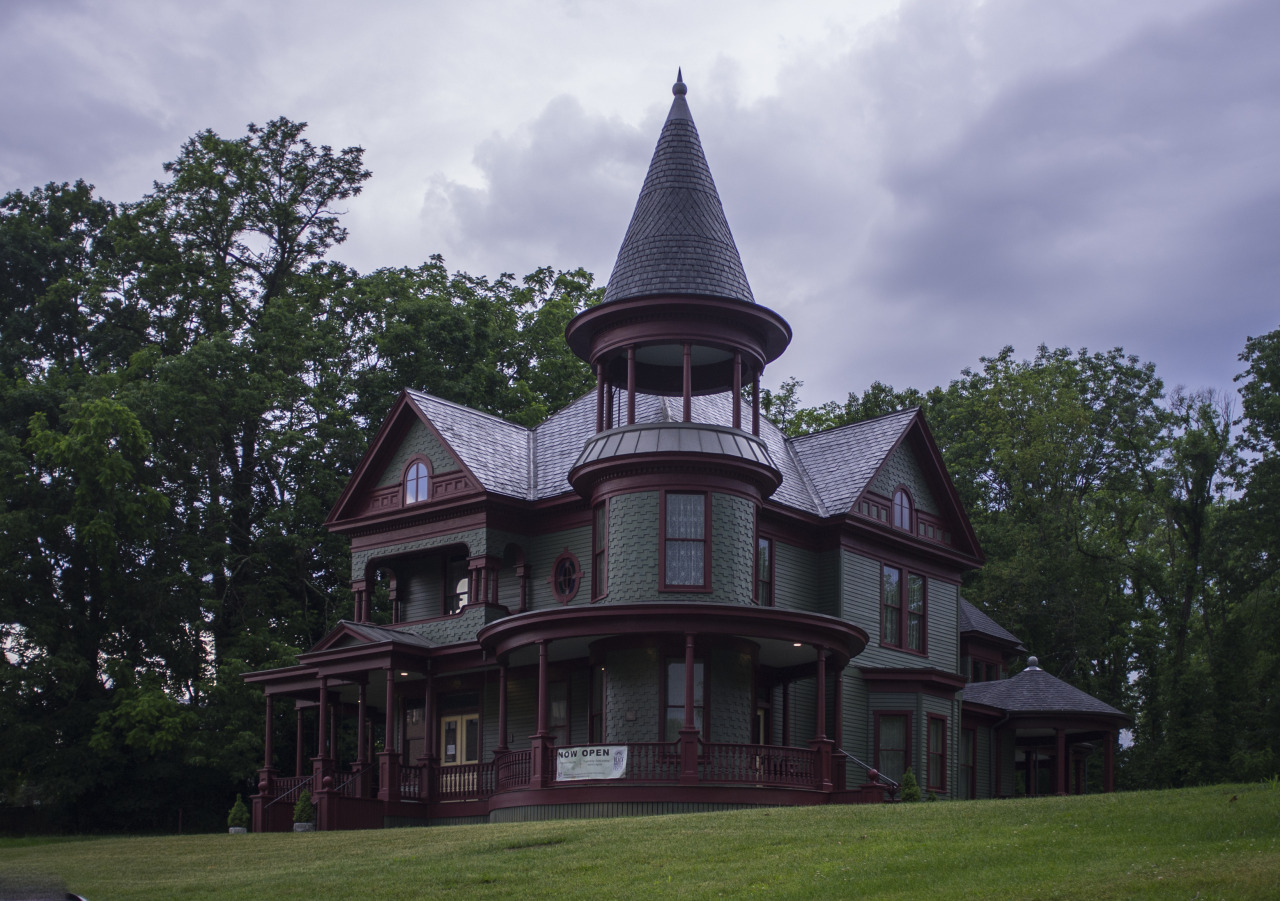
(901, 468)
(375, 488)
(419, 442)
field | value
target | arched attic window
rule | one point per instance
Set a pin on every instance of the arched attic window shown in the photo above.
(902, 509)
(417, 483)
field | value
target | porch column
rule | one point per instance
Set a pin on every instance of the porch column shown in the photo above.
(688, 382)
(837, 728)
(361, 713)
(737, 389)
(389, 758)
(631, 385)
(1060, 771)
(321, 763)
(502, 706)
(266, 755)
(599, 398)
(786, 714)
(542, 744)
(821, 745)
(1109, 774)
(688, 734)
(1032, 773)
(608, 406)
(297, 750)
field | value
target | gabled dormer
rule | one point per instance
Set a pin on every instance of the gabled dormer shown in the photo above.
(409, 467)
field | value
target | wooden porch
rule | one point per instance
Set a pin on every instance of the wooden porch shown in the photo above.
(367, 796)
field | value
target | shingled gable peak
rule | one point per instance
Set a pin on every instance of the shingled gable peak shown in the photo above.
(678, 242)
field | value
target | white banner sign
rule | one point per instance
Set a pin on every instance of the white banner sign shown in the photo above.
(591, 762)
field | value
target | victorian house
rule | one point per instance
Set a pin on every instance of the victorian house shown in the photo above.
(654, 601)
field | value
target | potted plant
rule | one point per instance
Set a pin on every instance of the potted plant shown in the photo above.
(304, 813)
(238, 818)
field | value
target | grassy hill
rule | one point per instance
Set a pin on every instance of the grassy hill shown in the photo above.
(1217, 842)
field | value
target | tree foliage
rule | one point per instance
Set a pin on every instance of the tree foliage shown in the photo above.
(185, 382)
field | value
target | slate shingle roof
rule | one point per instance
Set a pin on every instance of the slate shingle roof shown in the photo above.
(974, 620)
(495, 450)
(533, 464)
(1035, 691)
(678, 241)
(842, 461)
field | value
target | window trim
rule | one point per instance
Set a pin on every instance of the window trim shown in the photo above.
(415, 460)
(705, 587)
(771, 581)
(599, 551)
(904, 612)
(906, 752)
(929, 754)
(564, 597)
(909, 502)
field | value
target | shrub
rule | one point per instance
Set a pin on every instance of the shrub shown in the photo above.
(304, 811)
(910, 788)
(239, 815)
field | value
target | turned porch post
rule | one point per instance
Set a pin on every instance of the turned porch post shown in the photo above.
(297, 751)
(389, 759)
(821, 745)
(502, 706)
(266, 755)
(361, 712)
(542, 744)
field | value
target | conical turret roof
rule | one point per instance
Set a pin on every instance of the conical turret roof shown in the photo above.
(678, 241)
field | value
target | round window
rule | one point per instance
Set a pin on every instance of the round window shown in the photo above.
(566, 576)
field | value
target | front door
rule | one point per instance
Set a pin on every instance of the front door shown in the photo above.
(460, 739)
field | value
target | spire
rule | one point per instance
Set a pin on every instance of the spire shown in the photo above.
(678, 241)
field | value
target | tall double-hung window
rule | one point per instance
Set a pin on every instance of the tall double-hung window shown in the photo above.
(902, 609)
(684, 541)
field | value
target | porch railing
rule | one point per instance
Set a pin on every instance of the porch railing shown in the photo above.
(513, 769)
(289, 788)
(757, 765)
(464, 782)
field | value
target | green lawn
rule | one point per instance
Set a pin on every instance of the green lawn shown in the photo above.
(1192, 843)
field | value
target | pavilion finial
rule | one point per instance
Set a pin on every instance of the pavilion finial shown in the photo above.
(679, 89)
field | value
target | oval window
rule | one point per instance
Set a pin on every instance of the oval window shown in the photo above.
(566, 576)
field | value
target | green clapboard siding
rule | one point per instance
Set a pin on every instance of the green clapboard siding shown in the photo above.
(860, 605)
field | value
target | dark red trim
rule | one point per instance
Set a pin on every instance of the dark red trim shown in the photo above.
(553, 580)
(906, 752)
(932, 682)
(842, 638)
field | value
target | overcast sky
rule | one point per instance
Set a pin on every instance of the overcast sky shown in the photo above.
(913, 184)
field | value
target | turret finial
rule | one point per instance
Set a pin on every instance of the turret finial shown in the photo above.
(678, 89)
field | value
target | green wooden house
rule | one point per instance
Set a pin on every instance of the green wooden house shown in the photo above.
(654, 601)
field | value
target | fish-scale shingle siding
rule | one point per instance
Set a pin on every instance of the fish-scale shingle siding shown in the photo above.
(420, 440)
